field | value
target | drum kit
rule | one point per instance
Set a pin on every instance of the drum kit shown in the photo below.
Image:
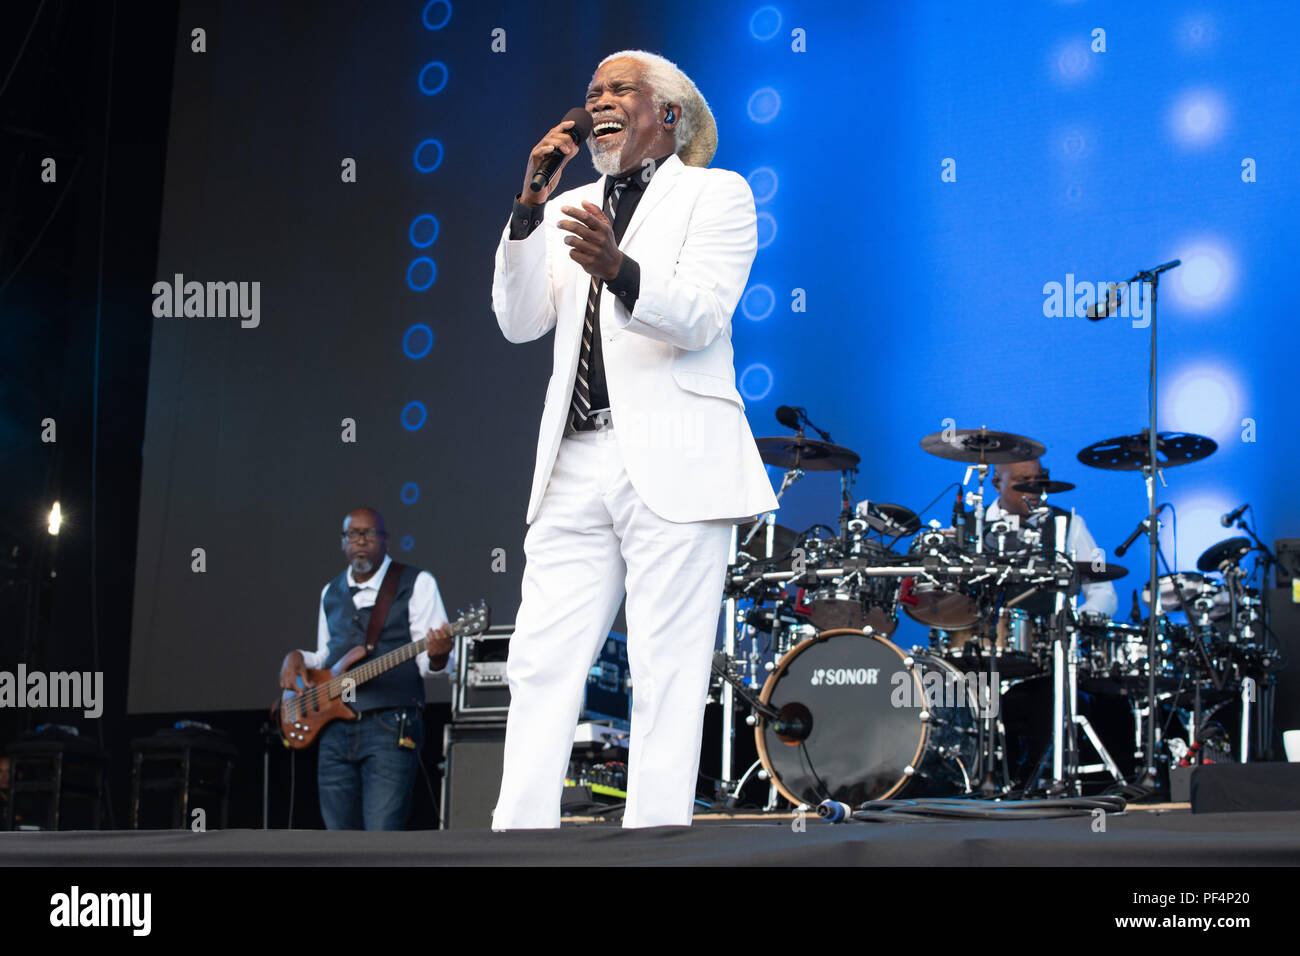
(1000, 703)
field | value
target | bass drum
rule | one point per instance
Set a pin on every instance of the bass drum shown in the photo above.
(861, 720)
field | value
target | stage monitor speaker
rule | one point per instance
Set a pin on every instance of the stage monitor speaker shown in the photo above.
(1250, 787)
(471, 776)
(1287, 551)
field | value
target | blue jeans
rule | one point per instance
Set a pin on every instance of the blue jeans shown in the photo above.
(364, 778)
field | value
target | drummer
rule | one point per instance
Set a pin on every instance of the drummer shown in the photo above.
(1097, 598)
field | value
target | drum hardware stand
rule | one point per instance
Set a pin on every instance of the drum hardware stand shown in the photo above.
(1108, 763)
(976, 499)
(731, 688)
(846, 504)
(731, 614)
(1247, 698)
(988, 724)
(1059, 677)
(734, 792)
(1267, 696)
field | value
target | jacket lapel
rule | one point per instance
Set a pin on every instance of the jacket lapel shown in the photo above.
(660, 185)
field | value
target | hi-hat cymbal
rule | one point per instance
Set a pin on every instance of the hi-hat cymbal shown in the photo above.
(895, 521)
(1130, 452)
(806, 453)
(980, 446)
(1107, 572)
(783, 540)
(1229, 551)
(1042, 486)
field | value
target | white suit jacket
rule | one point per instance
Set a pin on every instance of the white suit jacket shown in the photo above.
(678, 419)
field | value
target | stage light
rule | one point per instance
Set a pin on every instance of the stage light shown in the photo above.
(1198, 526)
(764, 104)
(766, 226)
(407, 542)
(757, 302)
(418, 341)
(414, 416)
(1195, 34)
(433, 78)
(56, 518)
(1198, 117)
(762, 183)
(423, 231)
(436, 15)
(1204, 400)
(765, 23)
(1206, 276)
(1073, 143)
(428, 155)
(1072, 62)
(756, 382)
(421, 273)
(410, 493)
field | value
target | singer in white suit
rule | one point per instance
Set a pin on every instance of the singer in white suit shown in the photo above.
(644, 456)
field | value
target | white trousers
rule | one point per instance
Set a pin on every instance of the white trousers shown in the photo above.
(593, 539)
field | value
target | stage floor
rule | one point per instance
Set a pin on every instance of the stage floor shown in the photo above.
(1137, 838)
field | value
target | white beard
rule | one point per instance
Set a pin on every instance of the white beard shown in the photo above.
(607, 161)
(362, 566)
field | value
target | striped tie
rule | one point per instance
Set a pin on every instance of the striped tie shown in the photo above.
(582, 388)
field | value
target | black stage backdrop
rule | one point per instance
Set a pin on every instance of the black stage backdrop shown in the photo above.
(246, 473)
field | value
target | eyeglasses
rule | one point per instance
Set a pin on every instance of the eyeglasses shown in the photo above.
(363, 534)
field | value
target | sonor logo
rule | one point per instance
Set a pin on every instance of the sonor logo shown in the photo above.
(845, 676)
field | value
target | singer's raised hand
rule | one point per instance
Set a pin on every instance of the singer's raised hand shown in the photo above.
(592, 244)
(557, 138)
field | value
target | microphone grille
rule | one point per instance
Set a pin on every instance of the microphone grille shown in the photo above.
(582, 124)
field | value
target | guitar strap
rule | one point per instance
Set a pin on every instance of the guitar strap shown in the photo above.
(383, 602)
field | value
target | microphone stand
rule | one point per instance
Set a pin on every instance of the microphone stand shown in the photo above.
(1150, 278)
(1266, 707)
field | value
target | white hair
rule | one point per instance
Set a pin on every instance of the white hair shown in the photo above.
(695, 135)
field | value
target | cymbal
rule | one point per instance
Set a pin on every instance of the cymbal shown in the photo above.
(896, 521)
(1129, 452)
(806, 453)
(1042, 486)
(1228, 551)
(981, 446)
(1108, 571)
(783, 540)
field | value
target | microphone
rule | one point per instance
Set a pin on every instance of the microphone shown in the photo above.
(1135, 612)
(1228, 519)
(1128, 542)
(578, 132)
(788, 416)
(1103, 308)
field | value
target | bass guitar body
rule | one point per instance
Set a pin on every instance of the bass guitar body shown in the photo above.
(304, 715)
